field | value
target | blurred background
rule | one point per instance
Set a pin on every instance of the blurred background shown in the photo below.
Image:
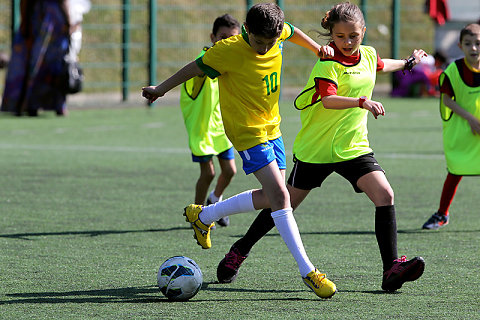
(131, 43)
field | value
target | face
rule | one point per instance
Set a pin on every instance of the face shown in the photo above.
(348, 36)
(470, 46)
(224, 32)
(259, 43)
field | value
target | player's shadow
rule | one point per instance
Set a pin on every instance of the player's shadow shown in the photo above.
(367, 232)
(88, 233)
(146, 294)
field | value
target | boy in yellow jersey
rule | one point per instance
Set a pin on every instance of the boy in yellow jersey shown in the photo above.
(334, 108)
(460, 111)
(200, 106)
(248, 67)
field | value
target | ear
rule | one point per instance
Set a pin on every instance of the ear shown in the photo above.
(246, 27)
(459, 44)
(212, 38)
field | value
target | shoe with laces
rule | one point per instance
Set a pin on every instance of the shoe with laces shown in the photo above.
(436, 221)
(402, 270)
(202, 231)
(223, 222)
(227, 269)
(319, 284)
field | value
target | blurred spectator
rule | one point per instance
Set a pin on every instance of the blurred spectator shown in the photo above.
(76, 10)
(3, 60)
(36, 64)
(421, 81)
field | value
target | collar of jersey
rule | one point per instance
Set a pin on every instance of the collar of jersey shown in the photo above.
(244, 34)
(341, 58)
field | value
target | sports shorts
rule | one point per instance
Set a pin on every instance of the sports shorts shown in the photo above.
(225, 155)
(261, 155)
(307, 176)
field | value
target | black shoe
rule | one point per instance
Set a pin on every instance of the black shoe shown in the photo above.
(224, 222)
(227, 269)
(403, 270)
(436, 221)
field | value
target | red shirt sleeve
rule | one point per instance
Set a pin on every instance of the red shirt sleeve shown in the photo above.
(380, 64)
(446, 87)
(323, 88)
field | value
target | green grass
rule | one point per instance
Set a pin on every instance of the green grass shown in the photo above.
(91, 205)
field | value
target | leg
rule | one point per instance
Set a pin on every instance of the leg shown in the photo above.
(449, 189)
(264, 222)
(440, 218)
(377, 188)
(396, 271)
(207, 173)
(228, 170)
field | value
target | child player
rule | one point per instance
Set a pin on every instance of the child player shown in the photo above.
(248, 67)
(460, 111)
(334, 138)
(200, 106)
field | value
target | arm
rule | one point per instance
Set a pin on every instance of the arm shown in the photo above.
(301, 39)
(191, 70)
(339, 102)
(471, 119)
(392, 65)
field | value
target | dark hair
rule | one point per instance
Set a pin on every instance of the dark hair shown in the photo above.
(266, 20)
(225, 21)
(470, 30)
(342, 12)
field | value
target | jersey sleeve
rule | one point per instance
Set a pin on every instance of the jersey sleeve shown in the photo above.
(446, 85)
(380, 63)
(216, 60)
(287, 32)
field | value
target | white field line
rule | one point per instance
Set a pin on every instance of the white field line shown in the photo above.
(83, 148)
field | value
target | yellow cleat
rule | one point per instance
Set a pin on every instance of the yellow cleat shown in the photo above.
(319, 284)
(202, 231)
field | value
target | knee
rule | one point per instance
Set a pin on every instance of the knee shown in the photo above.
(207, 175)
(384, 198)
(230, 172)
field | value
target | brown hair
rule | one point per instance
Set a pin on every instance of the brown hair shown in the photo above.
(342, 12)
(266, 20)
(470, 30)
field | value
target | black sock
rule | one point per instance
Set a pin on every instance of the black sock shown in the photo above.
(386, 233)
(262, 224)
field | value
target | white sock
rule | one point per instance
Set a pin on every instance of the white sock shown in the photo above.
(239, 203)
(288, 229)
(213, 198)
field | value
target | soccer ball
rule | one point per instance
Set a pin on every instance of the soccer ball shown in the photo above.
(179, 278)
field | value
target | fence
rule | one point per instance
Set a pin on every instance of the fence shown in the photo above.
(130, 43)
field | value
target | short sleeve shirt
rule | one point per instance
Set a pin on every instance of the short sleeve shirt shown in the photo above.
(249, 85)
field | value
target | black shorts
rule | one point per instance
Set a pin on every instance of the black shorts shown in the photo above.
(307, 176)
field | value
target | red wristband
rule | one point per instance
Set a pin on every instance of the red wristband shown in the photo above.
(361, 100)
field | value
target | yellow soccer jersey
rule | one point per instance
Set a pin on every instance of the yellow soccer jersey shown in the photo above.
(331, 135)
(201, 113)
(249, 85)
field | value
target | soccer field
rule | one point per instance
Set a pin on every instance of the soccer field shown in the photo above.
(91, 205)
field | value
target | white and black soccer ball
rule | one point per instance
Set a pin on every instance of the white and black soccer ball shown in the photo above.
(179, 278)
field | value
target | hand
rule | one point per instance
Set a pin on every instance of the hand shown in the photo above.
(375, 107)
(418, 55)
(325, 52)
(151, 93)
(474, 125)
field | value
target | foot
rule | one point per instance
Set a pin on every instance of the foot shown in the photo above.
(202, 231)
(403, 270)
(227, 269)
(223, 222)
(436, 221)
(319, 284)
